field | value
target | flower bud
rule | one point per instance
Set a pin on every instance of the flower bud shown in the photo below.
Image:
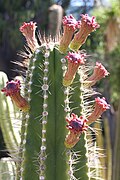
(98, 73)
(12, 89)
(88, 25)
(69, 26)
(28, 30)
(74, 61)
(100, 106)
(76, 127)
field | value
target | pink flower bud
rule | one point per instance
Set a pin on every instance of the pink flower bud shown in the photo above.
(98, 73)
(88, 25)
(69, 26)
(74, 61)
(28, 30)
(12, 89)
(100, 106)
(76, 127)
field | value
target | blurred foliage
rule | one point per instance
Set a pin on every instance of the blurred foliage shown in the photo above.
(114, 66)
(96, 41)
(12, 14)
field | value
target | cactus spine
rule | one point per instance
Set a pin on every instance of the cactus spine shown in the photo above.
(54, 142)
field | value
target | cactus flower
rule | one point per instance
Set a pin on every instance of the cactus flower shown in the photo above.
(12, 89)
(100, 106)
(74, 61)
(98, 73)
(69, 26)
(88, 25)
(76, 127)
(28, 30)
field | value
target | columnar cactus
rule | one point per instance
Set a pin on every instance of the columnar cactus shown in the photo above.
(57, 111)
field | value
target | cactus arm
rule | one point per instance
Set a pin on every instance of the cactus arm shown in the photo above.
(61, 156)
(108, 150)
(101, 164)
(56, 130)
(80, 150)
(50, 126)
(33, 130)
(7, 169)
(7, 120)
(53, 124)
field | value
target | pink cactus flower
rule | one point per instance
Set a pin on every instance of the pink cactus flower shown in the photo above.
(28, 30)
(74, 61)
(76, 127)
(12, 89)
(100, 106)
(69, 26)
(98, 73)
(88, 25)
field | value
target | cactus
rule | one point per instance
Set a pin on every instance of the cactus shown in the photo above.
(9, 122)
(57, 109)
(7, 169)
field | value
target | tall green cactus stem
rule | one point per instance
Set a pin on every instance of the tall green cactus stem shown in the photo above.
(93, 151)
(50, 148)
(43, 119)
(77, 106)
